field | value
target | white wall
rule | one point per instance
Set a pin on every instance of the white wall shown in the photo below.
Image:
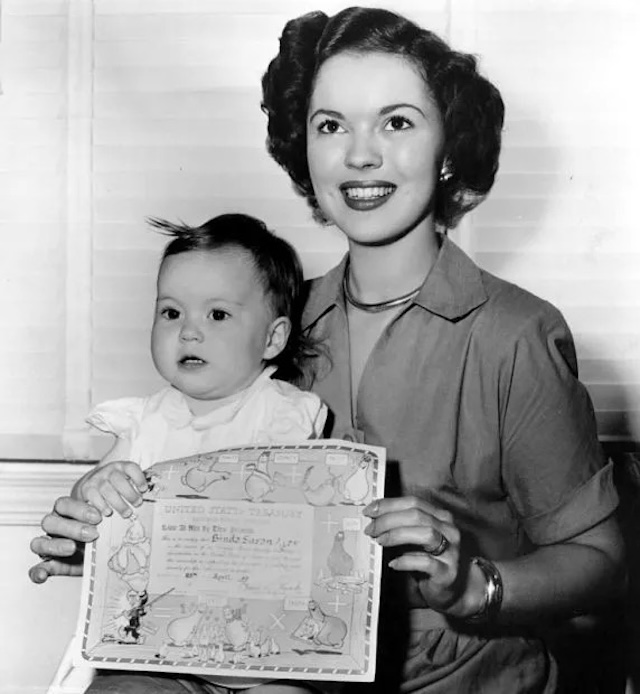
(36, 622)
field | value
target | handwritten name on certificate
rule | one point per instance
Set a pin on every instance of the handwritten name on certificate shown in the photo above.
(233, 548)
(248, 562)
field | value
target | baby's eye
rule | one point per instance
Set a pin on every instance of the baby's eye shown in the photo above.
(218, 314)
(330, 127)
(398, 123)
(170, 313)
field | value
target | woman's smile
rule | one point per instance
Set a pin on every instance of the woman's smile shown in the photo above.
(367, 195)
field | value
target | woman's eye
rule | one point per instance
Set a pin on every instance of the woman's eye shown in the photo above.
(170, 313)
(330, 127)
(218, 314)
(398, 123)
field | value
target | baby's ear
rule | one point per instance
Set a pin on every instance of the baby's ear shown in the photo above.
(277, 337)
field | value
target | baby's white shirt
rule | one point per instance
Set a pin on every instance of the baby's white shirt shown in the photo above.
(161, 426)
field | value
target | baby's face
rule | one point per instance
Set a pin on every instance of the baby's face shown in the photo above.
(212, 326)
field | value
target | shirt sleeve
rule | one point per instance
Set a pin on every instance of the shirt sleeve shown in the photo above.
(554, 469)
(118, 417)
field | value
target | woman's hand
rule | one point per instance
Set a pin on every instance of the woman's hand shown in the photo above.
(70, 525)
(112, 486)
(429, 548)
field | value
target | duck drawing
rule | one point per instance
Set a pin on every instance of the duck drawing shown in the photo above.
(258, 481)
(319, 489)
(265, 646)
(253, 647)
(356, 486)
(181, 629)
(236, 630)
(339, 561)
(218, 653)
(203, 474)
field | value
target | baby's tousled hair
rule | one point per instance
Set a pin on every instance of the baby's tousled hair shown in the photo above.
(277, 267)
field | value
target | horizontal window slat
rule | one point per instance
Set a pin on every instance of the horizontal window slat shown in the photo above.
(550, 264)
(35, 28)
(574, 27)
(275, 211)
(557, 6)
(179, 184)
(174, 133)
(235, 103)
(191, 27)
(286, 8)
(611, 371)
(579, 239)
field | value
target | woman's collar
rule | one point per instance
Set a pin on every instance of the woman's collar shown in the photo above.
(452, 289)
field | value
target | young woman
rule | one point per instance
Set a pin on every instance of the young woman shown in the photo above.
(498, 522)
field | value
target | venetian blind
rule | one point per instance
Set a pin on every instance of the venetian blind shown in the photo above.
(33, 278)
(114, 110)
(562, 219)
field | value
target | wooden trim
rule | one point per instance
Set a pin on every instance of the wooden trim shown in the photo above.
(28, 489)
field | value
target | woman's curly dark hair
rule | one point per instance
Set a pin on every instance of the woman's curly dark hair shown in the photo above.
(471, 107)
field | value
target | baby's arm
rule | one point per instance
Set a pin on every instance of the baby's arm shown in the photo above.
(72, 521)
(114, 484)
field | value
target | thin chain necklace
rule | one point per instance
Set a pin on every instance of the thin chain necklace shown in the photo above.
(380, 305)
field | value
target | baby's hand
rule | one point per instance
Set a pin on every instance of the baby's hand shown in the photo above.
(115, 486)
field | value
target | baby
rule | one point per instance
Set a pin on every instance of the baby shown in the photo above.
(227, 319)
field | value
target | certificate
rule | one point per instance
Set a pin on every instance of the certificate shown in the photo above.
(248, 562)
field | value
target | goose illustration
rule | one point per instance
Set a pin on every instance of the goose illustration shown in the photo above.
(203, 474)
(181, 629)
(236, 630)
(356, 486)
(318, 492)
(218, 654)
(258, 481)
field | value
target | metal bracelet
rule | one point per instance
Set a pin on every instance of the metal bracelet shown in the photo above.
(493, 592)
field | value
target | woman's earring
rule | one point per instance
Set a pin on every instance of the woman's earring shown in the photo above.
(445, 173)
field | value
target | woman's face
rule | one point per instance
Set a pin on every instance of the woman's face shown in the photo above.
(374, 141)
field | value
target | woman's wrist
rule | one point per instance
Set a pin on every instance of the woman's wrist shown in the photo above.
(474, 597)
(488, 607)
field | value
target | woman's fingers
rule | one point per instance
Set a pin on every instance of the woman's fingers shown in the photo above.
(70, 525)
(51, 567)
(420, 562)
(71, 519)
(46, 547)
(39, 573)
(414, 524)
(427, 546)
(427, 535)
(382, 507)
(75, 509)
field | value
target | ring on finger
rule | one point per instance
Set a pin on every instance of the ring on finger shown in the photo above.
(441, 548)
